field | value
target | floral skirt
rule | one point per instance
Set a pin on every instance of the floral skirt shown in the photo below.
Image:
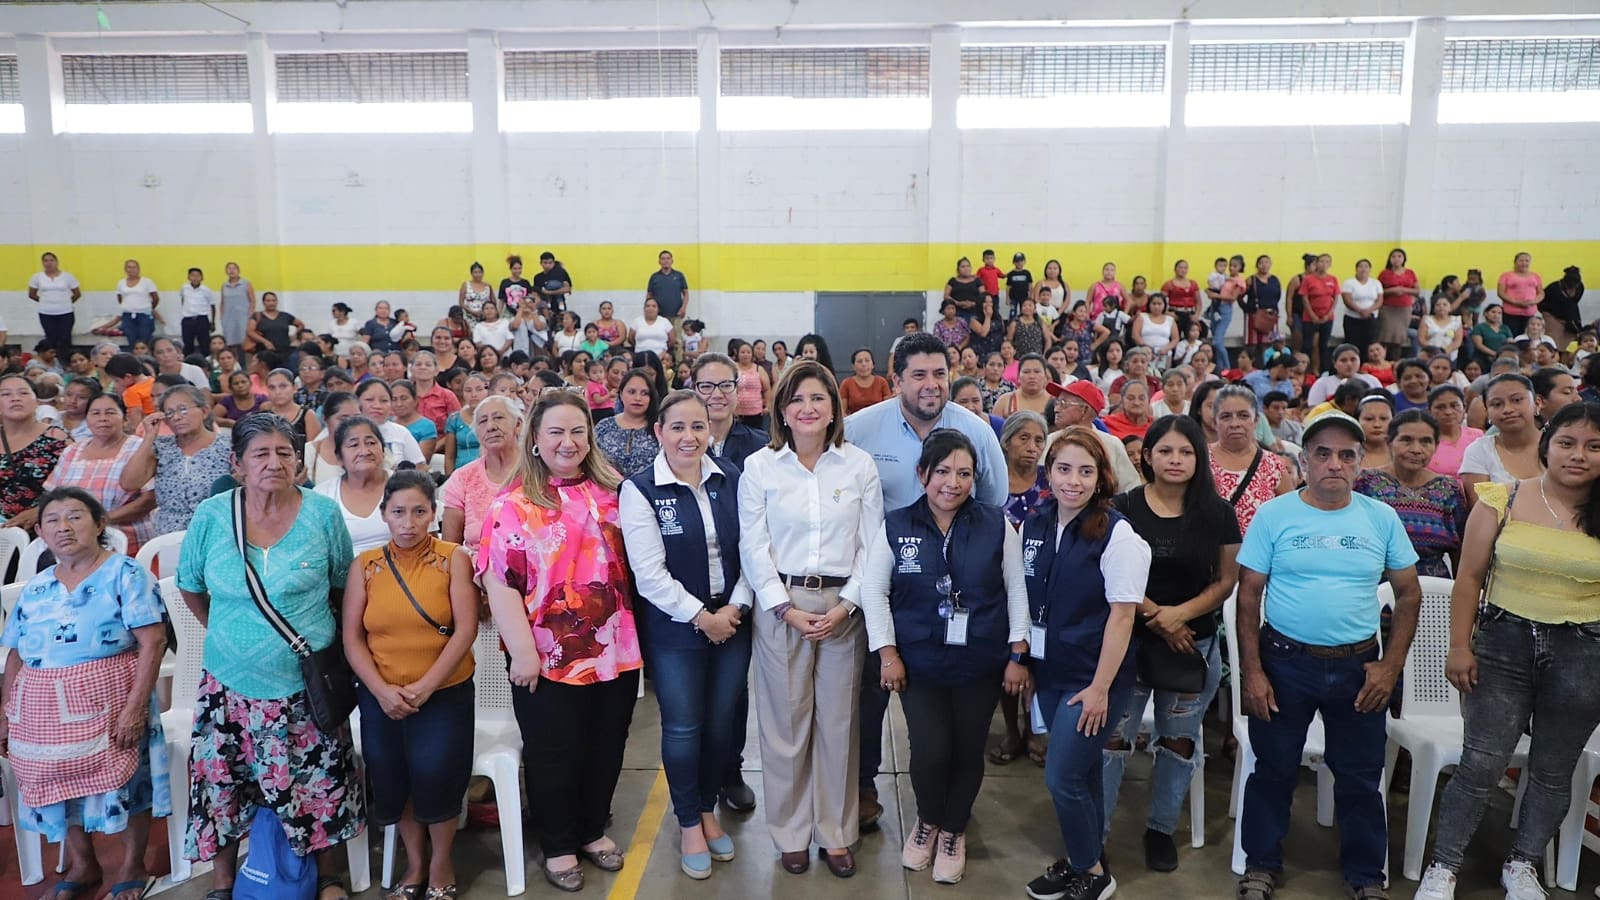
(268, 752)
(148, 791)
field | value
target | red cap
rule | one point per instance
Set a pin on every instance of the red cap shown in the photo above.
(1083, 390)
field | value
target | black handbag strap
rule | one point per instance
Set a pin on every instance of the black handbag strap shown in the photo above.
(1244, 483)
(258, 592)
(446, 630)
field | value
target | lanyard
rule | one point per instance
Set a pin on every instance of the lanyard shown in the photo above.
(951, 602)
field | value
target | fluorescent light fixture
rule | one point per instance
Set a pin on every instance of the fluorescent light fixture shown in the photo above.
(834, 114)
(1256, 107)
(372, 118)
(156, 118)
(622, 114)
(1074, 111)
(1554, 106)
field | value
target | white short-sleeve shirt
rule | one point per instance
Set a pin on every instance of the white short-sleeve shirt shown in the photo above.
(136, 298)
(55, 294)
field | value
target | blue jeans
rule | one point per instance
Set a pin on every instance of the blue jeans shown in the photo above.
(698, 690)
(424, 759)
(1074, 769)
(138, 327)
(874, 703)
(1177, 716)
(1219, 333)
(1302, 686)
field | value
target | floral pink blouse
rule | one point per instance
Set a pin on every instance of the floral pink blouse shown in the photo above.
(570, 568)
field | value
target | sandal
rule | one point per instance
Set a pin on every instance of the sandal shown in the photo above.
(219, 894)
(137, 888)
(1257, 884)
(332, 881)
(405, 892)
(448, 892)
(1005, 751)
(71, 890)
(1037, 748)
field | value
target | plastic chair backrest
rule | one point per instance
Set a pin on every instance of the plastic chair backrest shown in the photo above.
(159, 556)
(29, 565)
(12, 540)
(493, 684)
(8, 599)
(1426, 690)
(191, 645)
(1230, 627)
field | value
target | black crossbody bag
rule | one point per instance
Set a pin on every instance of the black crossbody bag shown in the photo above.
(446, 630)
(330, 685)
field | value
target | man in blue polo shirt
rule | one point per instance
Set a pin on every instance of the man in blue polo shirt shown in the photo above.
(1318, 555)
(892, 431)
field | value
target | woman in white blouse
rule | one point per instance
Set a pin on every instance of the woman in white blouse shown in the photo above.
(138, 298)
(652, 331)
(359, 490)
(808, 506)
(950, 628)
(1362, 296)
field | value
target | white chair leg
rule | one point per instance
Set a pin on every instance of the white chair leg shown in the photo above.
(1419, 812)
(386, 873)
(360, 863)
(1550, 864)
(1570, 835)
(1247, 764)
(30, 857)
(1237, 793)
(1324, 796)
(1197, 806)
(178, 822)
(508, 797)
(61, 858)
(5, 805)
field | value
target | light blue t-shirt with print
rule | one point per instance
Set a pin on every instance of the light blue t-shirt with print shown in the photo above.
(242, 650)
(1323, 566)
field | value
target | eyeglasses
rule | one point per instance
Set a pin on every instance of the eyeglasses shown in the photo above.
(179, 411)
(706, 388)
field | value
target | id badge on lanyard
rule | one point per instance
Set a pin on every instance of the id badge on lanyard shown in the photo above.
(950, 609)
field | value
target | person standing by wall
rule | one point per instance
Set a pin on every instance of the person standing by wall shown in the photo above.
(1316, 557)
(670, 289)
(514, 288)
(1521, 290)
(1400, 292)
(553, 283)
(199, 307)
(138, 298)
(55, 291)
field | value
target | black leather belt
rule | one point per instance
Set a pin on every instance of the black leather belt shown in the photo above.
(1319, 651)
(812, 582)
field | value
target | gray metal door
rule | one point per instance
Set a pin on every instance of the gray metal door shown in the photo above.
(850, 321)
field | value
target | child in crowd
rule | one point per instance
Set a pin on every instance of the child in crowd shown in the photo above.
(402, 330)
(694, 338)
(990, 275)
(1019, 287)
(1278, 348)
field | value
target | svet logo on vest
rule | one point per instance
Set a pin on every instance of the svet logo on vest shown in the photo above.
(910, 555)
(1030, 552)
(667, 516)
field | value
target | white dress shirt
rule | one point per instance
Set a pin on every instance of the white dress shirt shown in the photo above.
(879, 570)
(647, 555)
(807, 522)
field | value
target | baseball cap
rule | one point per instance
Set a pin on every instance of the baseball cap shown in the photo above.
(1019, 256)
(1081, 389)
(1332, 419)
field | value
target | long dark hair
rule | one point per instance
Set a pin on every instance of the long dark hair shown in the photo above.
(1095, 518)
(1587, 411)
(1201, 490)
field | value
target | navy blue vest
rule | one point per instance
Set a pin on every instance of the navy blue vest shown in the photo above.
(1067, 593)
(977, 542)
(683, 535)
(742, 441)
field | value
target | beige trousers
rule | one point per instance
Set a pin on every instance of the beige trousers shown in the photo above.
(806, 695)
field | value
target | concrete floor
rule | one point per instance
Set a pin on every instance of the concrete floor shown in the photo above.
(1013, 837)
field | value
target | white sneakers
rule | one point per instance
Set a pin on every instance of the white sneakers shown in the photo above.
(1521, 881)
(1438, 883)
(917, 853)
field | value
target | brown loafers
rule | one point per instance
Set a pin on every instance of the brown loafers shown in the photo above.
(796, 862)
(842, 865)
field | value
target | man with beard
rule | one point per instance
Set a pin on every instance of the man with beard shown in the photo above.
(893, 431)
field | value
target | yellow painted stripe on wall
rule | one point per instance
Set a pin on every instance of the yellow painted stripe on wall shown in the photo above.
(751, 267)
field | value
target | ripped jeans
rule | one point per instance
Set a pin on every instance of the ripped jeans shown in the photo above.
(1177, 716)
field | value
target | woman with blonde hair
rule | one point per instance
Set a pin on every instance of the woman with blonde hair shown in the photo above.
(553, 565)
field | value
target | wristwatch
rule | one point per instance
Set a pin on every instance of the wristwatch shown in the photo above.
(849, 607)
(1020, 659)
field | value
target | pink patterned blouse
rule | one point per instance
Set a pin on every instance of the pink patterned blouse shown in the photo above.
(570, 568)
(1263, 486)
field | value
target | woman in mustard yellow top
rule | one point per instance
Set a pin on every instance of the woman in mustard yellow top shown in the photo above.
(1535, 650)
(410, 617)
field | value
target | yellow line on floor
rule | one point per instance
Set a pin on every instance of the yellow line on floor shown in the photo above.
(644, 840)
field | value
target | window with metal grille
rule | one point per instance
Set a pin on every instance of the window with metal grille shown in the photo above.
(10, 84)
(1064, 70)
(148, 79)
(372, 77)
(826, 72)
(1297, 67)
(1533, 66)
(600, 74)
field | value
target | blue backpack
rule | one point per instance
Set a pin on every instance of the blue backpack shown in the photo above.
(273, 871)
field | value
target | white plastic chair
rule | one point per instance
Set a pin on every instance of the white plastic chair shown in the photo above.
(28, 566)
(12, 540)
(159, 555)
(496, 755)
(1245, 759)
(1197, 783)
(30, 856)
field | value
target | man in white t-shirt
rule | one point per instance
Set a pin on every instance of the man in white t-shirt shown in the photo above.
(55, 291)
(199, 309)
